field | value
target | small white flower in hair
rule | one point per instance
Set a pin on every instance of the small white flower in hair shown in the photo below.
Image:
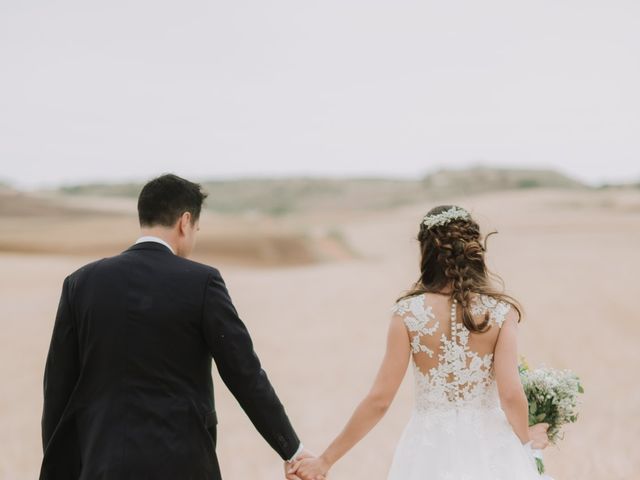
(442, 218)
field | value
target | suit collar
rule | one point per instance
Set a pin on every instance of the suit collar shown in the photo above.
(153, 238)
(150, 245)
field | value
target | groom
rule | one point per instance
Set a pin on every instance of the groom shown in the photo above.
(128, 393)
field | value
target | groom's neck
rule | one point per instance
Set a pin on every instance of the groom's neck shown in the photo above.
(166, 234)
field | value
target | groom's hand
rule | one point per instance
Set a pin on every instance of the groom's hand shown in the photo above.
(538, 436)
(287, 465)
(315, 468)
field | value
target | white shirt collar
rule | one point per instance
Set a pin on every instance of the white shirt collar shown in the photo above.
(151, 238)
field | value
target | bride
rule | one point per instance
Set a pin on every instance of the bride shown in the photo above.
(470, 419)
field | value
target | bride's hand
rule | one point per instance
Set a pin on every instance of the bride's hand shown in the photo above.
(311, 468)
(538, 436)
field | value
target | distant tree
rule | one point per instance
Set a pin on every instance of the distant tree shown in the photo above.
(528, 183)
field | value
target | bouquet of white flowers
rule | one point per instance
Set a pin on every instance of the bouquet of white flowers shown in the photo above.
(553, 399)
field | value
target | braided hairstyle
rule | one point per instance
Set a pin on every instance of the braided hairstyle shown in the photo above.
(452, 261)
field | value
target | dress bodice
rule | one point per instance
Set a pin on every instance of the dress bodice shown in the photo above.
(449, 372)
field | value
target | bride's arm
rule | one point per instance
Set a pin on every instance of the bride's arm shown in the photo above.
(512, 396)
(372, 408)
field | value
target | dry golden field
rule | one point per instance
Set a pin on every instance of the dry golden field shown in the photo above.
(315, 292)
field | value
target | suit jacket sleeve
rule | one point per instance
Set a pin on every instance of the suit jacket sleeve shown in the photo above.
(232, 350)
(61, 368)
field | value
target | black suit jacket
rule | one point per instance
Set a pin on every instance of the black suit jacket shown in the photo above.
(128, 393)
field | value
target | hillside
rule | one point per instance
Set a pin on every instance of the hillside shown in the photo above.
(484, 179)
(282, 196)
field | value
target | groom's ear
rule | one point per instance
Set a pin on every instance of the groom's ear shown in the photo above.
(184, 222)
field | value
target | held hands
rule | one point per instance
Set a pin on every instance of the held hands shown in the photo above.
(290, 467)
(310, 468)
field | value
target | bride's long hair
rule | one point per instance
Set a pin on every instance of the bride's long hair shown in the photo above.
(452, 259)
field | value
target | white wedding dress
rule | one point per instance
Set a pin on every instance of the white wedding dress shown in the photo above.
(457, 430)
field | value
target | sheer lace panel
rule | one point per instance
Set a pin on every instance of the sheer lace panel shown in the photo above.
(452, 365)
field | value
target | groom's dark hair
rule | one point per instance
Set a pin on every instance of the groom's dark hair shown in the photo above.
(164, 199)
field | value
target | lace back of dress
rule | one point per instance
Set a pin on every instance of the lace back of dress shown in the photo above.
(452, 365)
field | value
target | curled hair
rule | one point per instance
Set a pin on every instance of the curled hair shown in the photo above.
(453, 259)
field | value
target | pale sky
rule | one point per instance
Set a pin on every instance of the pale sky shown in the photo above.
(120, 90)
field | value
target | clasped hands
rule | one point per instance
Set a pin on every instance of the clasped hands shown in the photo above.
(306, 466)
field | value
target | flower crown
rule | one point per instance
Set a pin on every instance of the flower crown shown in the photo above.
(442, 218)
